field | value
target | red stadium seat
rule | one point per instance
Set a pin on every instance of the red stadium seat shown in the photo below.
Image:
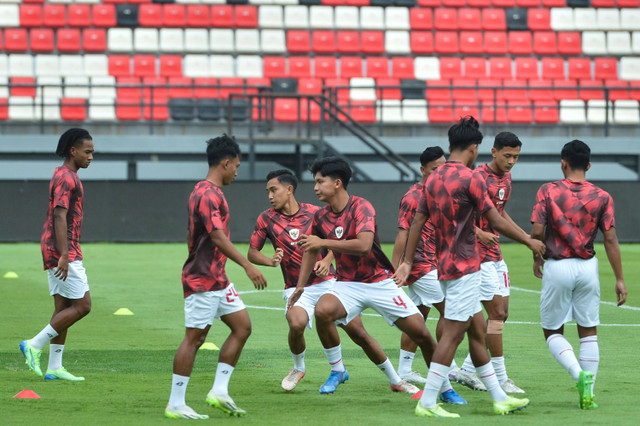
(350, 67)
(429, 3)
(565, 89)
(494, 19)
(129, 87)
(580, 68)
(489, 89)
(246, 16)
(16, 40)
(591, 89)
(198, 15)
(475, 68)
(309, 111)
(527, 69)
(323, 41)
(180, 87)
(503, 3)
(421, 41)
(150, 15)
(500, 68)
(446, 42)
(156, 108)
(540, 90)
(569, 43)
(553, 69)
(104, 15)
(205, 88)
(41, 40)
(377, 67)
(174, 15)
(372, 41)
(471, 42)
(464, 107)
(222, 16)
(402, 67)
(554, 3)
(31, 15)
(362, 111)
(94, 39)
(514, 89)
(119, 65)
(325, 67)
(68, 40)
(445, 19)
(310, 86)
(438, 90)
(519, 111)
(257, 83)
(546, 111)
(603, 3)
(479, 3)
(274, 67)
(528, 3)
(285, 109)
(79, 15)
(55, 15)
(144, 66)
(495, 42)
(73, 109)
(23, 86)
(454, 3)
(339, 87)
(128, 109)
(388, 88)
(606, 68)
(450, 68)
(493, 112)
(298, 41)
(634, 90)
(464, 89)
(299, 66)
(544, 43)
(420, 19)
(628, 3)
(230, 85)
(520, 42)
(618, 89)
(348, 41)
(469, 19)
(171, 66)
(156, 88)
(539, 19)
(440, 111)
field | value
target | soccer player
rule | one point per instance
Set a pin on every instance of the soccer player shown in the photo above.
(207, 290)
(347, 226)
(451, 198)
(423, 285)
(566, 216)
(495, 284)
(62, 256)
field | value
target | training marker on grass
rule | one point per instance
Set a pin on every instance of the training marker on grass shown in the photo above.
(209, 346)
(10, 275)
(27, 394)
(123, 311)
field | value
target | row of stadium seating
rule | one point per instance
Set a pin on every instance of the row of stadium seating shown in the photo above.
(317, 17)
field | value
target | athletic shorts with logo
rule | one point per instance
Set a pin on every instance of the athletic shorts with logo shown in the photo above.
(309, 298)
(200, 309)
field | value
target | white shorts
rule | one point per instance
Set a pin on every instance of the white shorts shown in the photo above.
(385, 297)
(200, 309)
(463, 297)
(76, 284)
(309, 298)
(495, 280)
(426, 290)
(570, 290)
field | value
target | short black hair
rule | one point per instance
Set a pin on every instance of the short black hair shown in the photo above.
(285, 177)
(334, 167)
(430, 154)
(506, 139)
(220, 148)
(72, 137)
(464, 133)
(577, 154)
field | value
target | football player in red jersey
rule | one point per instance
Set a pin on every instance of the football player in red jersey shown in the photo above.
(566, 216)
(347, 226)
(62, 256)
(452, 197)
(207, 291)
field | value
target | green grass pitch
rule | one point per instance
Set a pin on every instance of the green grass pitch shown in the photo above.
(127, 359)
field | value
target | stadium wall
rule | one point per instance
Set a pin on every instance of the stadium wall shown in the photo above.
(139, 211)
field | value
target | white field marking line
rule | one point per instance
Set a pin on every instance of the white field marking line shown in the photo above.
(633, 308)
(271, 308)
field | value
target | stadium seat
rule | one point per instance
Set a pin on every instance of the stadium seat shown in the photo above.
(325, 67)
(569, 43)
(388, 88)
(299, 66)
(172, 40)
(421, 19)
(553, 69)
(270, 16)
(421, 42)
(438, 90)
(402, 67)
(128, 87)
(516, 19)
(20, 65)
(539, 19)
(350, 67)
(103, 15)
(296, 17)
(500, 68)
(606, 68)
(179, 87)
(519, 111)
(585, 19)
(372, 41)
(513, 90)
(76, 87)
(145, 40)
(182, 109)
(171, 66)
(22, 87)
(362, 89)
(246, 16)
(446, 42)
(630, 19)
(591, 89)
(15, 40)
(565, 89)
(347, 18)
(371, 18)
(494, 19)
(198, 16)
(274, 66)
(102, 109)
(618, 89)
(321, 17)
(31, 15)
(362, 111)
(103, 87)
(150, 15)
(561, 19)
(272, 41)
(599, 111)
(469, 19)
(338, 87)
(298, 41)
(54, 15)
(120, 40)
(96, 65)
(9, 15)
(440, 111)
(195, 40)
(21, 108)
(415, 111)
(127, 15)
(445, 19)
(205, 88)
(246, 40)
(94, 39)
(475, 68)
(493, 111)
(471, 42)
(540, 90)
(464, 89)
(619, 43)
(545, 111)
(68, 40)
(348, 41)
(119, 66)
(495, 42)
(608, 19)
(520, 42)
(222, 16)
(450, 68)
(544, 43)
(427, 68)
(79, 15)
(526, 69)
(580, 68)
(412, 89)
(397, 42)
(73, 109)
(323, 41)
(626, 112)
(396, 18)
(310, 86)
(128, 109)
(389, 111)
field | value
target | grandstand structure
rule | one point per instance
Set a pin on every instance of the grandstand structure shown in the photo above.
(372, 80)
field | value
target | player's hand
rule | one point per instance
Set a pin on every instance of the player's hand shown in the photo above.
(401, 274)
(538, 262)
(294, 297)
(321, 268)
(277, 257)
(256, 277)
(63, 268)
(537, 247)
(308, 242)
(489, 239)
(621, 292)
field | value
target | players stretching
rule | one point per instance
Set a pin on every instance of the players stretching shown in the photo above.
(347, 226)
(567, 216)
(452, 197)
(207, 290)
(62, 255)
(495, 284)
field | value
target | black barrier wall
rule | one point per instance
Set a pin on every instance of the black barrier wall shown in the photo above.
(157, 211)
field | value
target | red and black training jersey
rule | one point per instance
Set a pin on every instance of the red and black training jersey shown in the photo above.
(204, 268)
(572, 213)
(452, 196)
(425, 259)
(65, 190)
(284, 231)
(499, 191)
(357, 216)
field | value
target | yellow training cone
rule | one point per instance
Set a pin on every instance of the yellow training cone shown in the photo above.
(10, 275)
(123, 311)
(209, 346)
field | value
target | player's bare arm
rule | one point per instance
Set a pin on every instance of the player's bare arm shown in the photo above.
(399, 246)
(323, 266)
(612, 248)
(306, 266)
(537, 232)
(489, 239)
(256, 257)
(60, 227)
(402, 272)
(228, 249)
(359, 246)
(505, 228)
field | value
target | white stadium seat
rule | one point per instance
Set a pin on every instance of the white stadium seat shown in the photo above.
(321, 17)
(572, 111)
(120, 40)
(415, 111)
(562, 19)
(221, 40)
(347, 18)
(196, 40)
(371, 18)
(221, 66)
(630, 19)
(596, 111)
(296, 17)
(396, 18)
(629, 68)
(585, 19)
(389, 111)
(594, 43)
(397, 42)
(103, 87)
(196, 66)
(272, 41)
(270, 16)
(76, 87)
(47, 65)
(146, 40)
(626, 112)
(608, 19)
(619, 43)
(249, 66)
(362, 89)
(96, 65)
(247, 41)
(21, 65)
(172, 40)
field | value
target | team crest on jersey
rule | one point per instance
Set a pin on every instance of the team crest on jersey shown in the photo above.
(294, 233)
(501, 193)
(339, 230)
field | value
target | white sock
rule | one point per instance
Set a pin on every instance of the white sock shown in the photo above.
(590, 355)
(498, 366)
(178, 390)
(43, 337)
(490, 380)
(453, 364)
(405, 364)
(437, 374)
(334, 356)
(221, 382)
(298, 361)
(562, 351)
(467, 365)
(446, 385)
(387, 368)
(55, 356)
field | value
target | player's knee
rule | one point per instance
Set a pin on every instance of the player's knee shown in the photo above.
(296, 325)
(323, 313)
(83, 308)
(495, 326)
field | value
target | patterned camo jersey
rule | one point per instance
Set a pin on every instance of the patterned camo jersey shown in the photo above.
(425, 259)
(452, 196)
(284, 231)
(204, 268)
(572, 213)
(499, 190)
(65, 190)
(357, 216)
